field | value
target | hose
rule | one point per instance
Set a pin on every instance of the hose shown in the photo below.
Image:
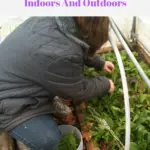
(125, 91)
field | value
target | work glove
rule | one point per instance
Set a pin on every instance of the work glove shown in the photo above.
(63, 111)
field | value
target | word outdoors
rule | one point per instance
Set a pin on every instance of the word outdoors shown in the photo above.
(75, 3)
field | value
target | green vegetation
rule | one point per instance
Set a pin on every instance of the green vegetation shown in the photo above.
(111, 107)
(68, 142)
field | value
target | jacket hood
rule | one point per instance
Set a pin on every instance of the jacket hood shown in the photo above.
(68, 26)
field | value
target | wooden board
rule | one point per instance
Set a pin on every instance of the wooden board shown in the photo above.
(6, 142)
(107, 48)
(140, 49)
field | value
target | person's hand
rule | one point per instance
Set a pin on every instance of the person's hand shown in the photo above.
(109, 67)
(112, 87)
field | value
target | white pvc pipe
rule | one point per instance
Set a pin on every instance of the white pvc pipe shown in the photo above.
(141, 72)
(125, 91)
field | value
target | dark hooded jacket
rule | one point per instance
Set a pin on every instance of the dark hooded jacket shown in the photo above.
(40, 59)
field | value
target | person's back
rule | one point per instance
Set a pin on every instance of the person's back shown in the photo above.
(37, 62)
(24, 56)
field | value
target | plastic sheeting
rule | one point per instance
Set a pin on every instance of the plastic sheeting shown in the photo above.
(143, 32)
(8, 24)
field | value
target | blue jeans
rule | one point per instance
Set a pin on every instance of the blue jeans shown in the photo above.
(38, 133)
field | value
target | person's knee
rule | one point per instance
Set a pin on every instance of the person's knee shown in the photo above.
(50, 141)
(41, 133)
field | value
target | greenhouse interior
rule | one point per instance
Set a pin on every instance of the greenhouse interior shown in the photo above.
(118, 121)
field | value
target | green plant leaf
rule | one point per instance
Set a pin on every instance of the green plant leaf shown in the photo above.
(134, 146)
(111, 107)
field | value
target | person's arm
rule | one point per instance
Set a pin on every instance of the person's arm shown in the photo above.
(65, 79)
(95, 62)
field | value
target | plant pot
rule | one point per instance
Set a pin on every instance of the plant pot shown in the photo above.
(65, 129)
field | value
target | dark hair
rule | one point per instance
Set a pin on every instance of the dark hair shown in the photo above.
(94, 31)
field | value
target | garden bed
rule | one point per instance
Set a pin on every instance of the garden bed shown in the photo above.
(111, 109)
